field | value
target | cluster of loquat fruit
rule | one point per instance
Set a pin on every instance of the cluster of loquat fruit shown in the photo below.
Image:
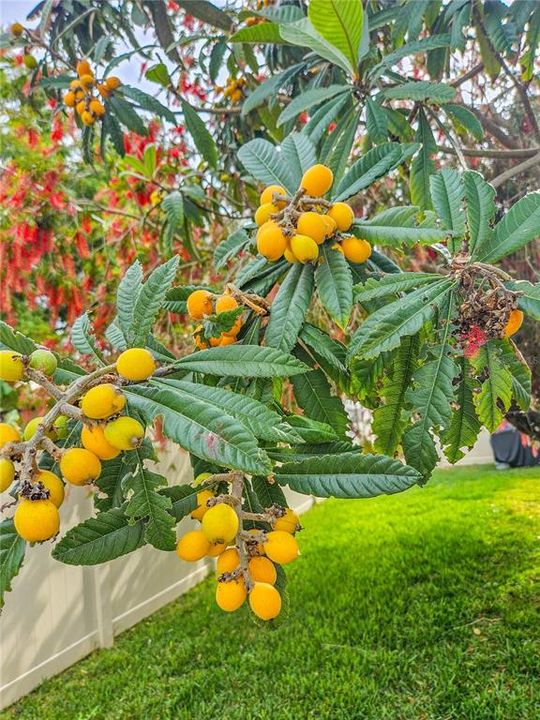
(104, 435)
(295, 227)
(81, 94)
(248, 574)
(233, 90)
(202, 304)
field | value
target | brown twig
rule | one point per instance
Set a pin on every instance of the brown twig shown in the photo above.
(521, 167)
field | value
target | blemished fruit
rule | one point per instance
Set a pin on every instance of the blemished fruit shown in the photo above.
(225, 303)
(192, 546)
(281, 547)
(7, 473)
(231, 595)
(220, 524)
(342, 214)
(265, 601)
(515, 320)
(318, 180)
(79, 466)
(290, 522)
(31, 427)
(11, 366)
(17, 29)
(124, 433)
(93, 439)
(53, 484)
(8, 434)
(83, 68)
(97, 108)
(201, 509)
(261, 569)
(267, 195)
(136, 364)
(199, 304)
(70, 99)
(264, 213)
(304, 248)
(103, 401)
(271, 242)
(313, 225)
(113, 82)
(36, 520)
(216, 550)
(355, 250)
(43, 360)
(228, 561)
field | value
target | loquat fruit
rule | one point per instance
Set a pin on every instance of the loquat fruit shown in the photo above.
(258, 547)
(216, 550)
(7, 473)
(44, 361)
(220, 524)
(342, 214)
(80, 107)
(103, 90)
(70, 99)
(11, 366)
(136, 364)
(267, 196)
(124, 433)
(8, 434)
(201, 509)
(102, 401)
(113, 82)
(31, 427)
(53, 484)
(17, 29)
(271, 242)
(83, 68)
(225, 303)
(93, 439)
(281, 547)
(330, 224)
(313, 225)
(79, 466)
(318, 180)
(265, 601)
(355, 249)
(290, 256)
(199, 304)
(264, 213)
(228, 561)
(261, 569)
(87, 118)
(36, 520)
(304, 248)
(97, 108)
(290, 522)
(231, 595)
(515, 319)
(30, 62)
(192, 546)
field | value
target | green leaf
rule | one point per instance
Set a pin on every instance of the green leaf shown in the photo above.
(201, 136)
(146, 504)
(529, 300)
(340, 22)
(480, 205)
(371, 166)
(383, 329)
(521, 375)
(127, 294)
(423, 165)
(150, 103)
(266, 32)
(200, 427)
(183, 499)
(338, 146)
(127, 115)
(311, 431)
(242, 361)
(375, 288)
(447, 196)
(495, 394)
(308, 99)
(149, 301)
(462, 431)
(334, 284)
(14, 340)
(390, 418)
(173, 205)
(269, 87)
(376, 121)
(520, 225)
(208, 12)
(466, 119)
(392, 235)
(99, 539)
(298, 152)
(304, 34)
(262, 160)
(230, 248)
(83, 340)
(410, 48)
(264, 423)
(12, 549)
(268, 493)
(110, 481)
(158, 74)
(289, 307)
(111, 128)
(313, 395)
(421, 90)
(318, 123)
(348, 476)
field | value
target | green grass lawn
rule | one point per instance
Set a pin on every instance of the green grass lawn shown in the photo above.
(420, 606)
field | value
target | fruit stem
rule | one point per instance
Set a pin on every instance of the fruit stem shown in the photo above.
(237, 490)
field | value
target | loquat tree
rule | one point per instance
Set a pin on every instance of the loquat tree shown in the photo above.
(314, 307)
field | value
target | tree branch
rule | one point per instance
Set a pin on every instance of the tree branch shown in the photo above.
(521, 167)
(500, 154)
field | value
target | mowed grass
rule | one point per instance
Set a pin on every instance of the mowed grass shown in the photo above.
(421, 606)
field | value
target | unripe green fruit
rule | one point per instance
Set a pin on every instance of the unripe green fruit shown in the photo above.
(30, 62)
(60, 426)
(31, 427)
(43, 360)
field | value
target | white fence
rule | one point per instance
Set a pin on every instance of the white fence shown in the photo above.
(57, 614)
